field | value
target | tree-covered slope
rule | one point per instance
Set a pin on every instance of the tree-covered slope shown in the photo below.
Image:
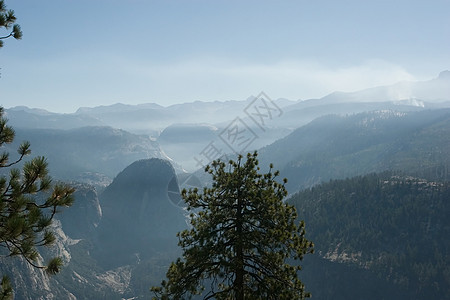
(388, 228)
(335, 147)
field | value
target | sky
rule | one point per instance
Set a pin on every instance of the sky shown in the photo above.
(86, 53)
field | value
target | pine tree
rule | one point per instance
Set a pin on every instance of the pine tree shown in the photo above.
(6, 291)
(7, 22)
(24, 219)
(241, 237)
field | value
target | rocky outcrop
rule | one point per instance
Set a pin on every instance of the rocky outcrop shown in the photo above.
(141, 215)
(113, 246)
(31, 283)
(82, 218)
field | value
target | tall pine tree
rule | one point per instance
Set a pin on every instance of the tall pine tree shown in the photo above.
(241, 238)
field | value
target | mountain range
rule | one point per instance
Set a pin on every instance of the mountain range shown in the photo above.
(368, 172)
(166, 124)
(88, 154)
(434, 93)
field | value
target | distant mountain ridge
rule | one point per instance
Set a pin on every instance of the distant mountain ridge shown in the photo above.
(152, 116)
(24, 117)
(152, 119)
(434, 90)
(333, 147)
(87, 150)
(116, 107)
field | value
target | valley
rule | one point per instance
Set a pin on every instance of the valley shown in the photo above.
(367, 171)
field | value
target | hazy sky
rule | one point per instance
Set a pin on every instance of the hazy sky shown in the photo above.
(97, 52)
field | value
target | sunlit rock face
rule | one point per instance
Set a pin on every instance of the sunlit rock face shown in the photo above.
(140, 213)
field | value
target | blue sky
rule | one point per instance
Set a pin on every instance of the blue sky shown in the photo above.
(78, 53)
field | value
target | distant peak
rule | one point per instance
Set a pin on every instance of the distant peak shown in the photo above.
(444, 74)
(37, 111)
(117, 107)
(20, 107)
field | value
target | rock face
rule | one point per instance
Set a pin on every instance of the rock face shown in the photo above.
(30, 283)
(140, 214)
(82, 218)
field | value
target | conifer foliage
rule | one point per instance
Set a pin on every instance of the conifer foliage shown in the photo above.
(242, 234)
(24, 219)
(8, 23)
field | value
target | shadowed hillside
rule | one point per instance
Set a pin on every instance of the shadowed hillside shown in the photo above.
(379, 236)
(334, 147)
(140, 216)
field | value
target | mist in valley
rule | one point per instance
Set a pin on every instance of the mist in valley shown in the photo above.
(350, 107)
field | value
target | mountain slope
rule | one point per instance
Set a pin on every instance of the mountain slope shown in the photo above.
(436, 90)
(140, 213)
(24, 117)
(345, 146)
(73, 153)
(390, 228)
(402, 96)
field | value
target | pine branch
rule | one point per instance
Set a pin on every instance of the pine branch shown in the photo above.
(8, 36)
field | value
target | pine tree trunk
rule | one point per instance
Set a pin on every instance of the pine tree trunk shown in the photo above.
(239, 280)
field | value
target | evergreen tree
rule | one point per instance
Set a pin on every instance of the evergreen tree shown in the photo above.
(6, 291)
(7, 22)
(242, 234)
(24, 219)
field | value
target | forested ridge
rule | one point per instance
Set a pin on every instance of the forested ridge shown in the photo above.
(394, 226)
